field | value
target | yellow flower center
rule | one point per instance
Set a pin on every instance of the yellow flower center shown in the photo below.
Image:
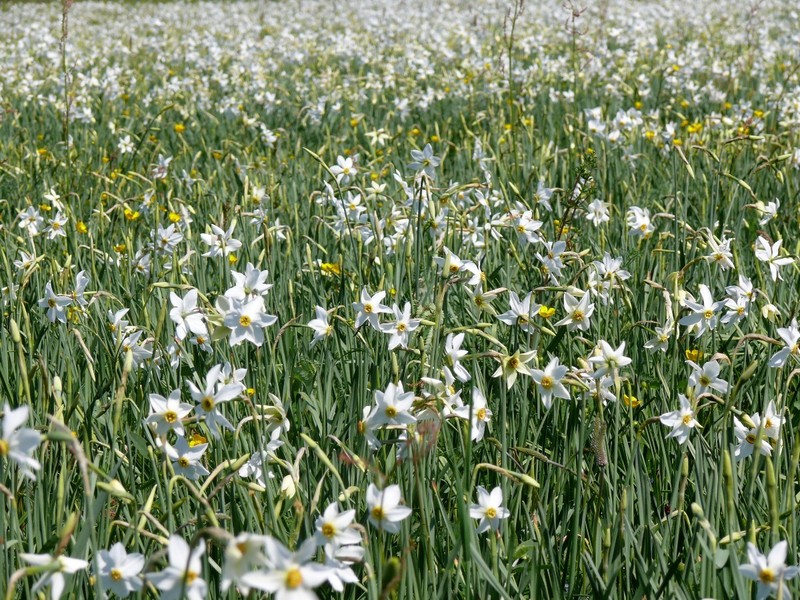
(116, 574)
(191, 576)
(294, 579)
(547, 382)
(687, 419)
(751, 438)
(577, 315)
(377, 513)
(491, 512)
(705, 380)
(514, 362)
(481, 414)
(766, 576)
(51, 303)
(708, 314)
(368, 308)
(391, 412)
(170, 416)
(245, 321)
(207, 403)
(184, 462)
(328, 530)
(401, 327)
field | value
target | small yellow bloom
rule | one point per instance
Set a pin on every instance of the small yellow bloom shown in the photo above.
(693, 354)
(434, 138)
(330, 269)
(677, 142)
(42, 151)
(507, 126)
(81, 227)
(650, 134)
(216, 154)
(353, 122)
(251, 392)
(638, 105)
(631, 401)
(131, 215)
(374, 176)
(120, 248)
(45, 207)
(179, 127)
(174, 217)
(415, 131)
(232, 259)
(546, 311)
(695, 127)
(196, 440)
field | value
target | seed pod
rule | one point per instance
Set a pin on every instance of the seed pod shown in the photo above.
(598, 442)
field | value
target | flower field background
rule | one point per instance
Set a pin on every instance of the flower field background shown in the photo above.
(399, 299)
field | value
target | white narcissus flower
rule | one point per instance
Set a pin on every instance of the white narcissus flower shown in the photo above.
(770, 254)
(247, 319)
(220, 242)
(55, 304)
(119, 571)
(209, 397)
(167, 413)
(344, 170)
(520, 312)
(322, 329)
(607, 361)
(481, 414)
(661, 340)
(597, 212)
(18, 443)
(392, 407)
(250, 284)
(454, 353)
(548, 382)
(369, 308)
(244, 554)
(385, 511)
(333, 528)
(489, 509)
(704, 316)
(578, 312)
(510, 366)
(76, 295)
(748, 437)
(424, 161)
(186, 316)
(769, 571)
(682, 420)
(401, 328)
(706, 377)
(55, 579)
(186, 458)
(720, 252)
(289, 575)
(772, 421)
(791, 337)
(182, 578)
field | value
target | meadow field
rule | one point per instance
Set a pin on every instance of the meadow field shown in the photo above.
(305, 299)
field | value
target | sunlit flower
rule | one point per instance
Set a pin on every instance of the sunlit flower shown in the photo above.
(385, 510)
(489, 509)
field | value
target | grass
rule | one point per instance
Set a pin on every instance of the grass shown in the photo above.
(601, 503)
